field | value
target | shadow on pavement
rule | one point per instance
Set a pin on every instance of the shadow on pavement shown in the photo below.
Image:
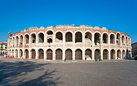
(26, 74)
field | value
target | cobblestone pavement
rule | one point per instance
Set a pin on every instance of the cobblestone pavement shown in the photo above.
(21, 72)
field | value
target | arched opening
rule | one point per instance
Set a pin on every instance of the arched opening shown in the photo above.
(78, 37)
(118, 54)
(59, 37)
(123, 54)
(27, 38)
(58, 54)
(97, 38)
(112, 39)
(122, 39)
(105, 38)
(88, 36)
(33, 38)
(68, 54)
(97, 53)
(88, 54)
(105, 54)
(49, 54)
(127, 54)
(68, 37)
(49, 32)
(33, 54)
(41, 54)
(26, 53)
(49, 40)
(41, 38)
(21, 53)
(17, 40)
(21, 40)
(78, 54)
(118, 38)
(112, 54)
(16, 53)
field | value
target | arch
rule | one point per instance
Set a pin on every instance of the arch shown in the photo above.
(123, 54)
(58, 54)
(49, 54)
(118, 54)
(27, 38)
(33, 38)
(17, 40)
(21, 40)
(88, 53)
(105, 38)
(26, 53)
(105, 54)
(41, 53)
(41, 37)
(97, 53)
(50, 32)
(123, 38)
(21, 52)
(59, 36)
(112, 39)
(96, 38)
(78, 54)
(16, 53)
(88, 36)
(68, 37)
(112, 54)
(33, 54)
(68, 54)
(78, 37)
(118, 38)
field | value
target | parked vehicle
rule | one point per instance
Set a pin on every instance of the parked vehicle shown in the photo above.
(135, 57)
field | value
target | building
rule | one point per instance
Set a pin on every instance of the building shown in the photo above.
(3, 48)
(134, 49)
(69, 42)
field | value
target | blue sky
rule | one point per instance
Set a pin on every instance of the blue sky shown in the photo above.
(117, 15)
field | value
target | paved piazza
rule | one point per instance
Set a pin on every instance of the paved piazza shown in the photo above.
(20, 72)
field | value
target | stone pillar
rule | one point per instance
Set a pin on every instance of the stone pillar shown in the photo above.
(83, 39)
(73, 35)
(18, 54)
(115, 54)
(45, 38)
(109, 53)
(14, 54)
(37, 54)
(83, 54)
(63, 54)
(73, 54)
(30, 54)
(93, 40)
(109, 39)
(93, 54)
(23, 53)
(37, 39)
(29, 40)
(24, 40)
(101, 42)
(45, 55)
(121, 54)
(64, 40)
(54, 54)
(54, 37)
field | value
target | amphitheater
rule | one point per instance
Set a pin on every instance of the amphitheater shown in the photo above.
(69, 42)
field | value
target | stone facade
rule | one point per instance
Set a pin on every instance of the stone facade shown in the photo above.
(69, 42)
(134, 49)
(3, 48)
